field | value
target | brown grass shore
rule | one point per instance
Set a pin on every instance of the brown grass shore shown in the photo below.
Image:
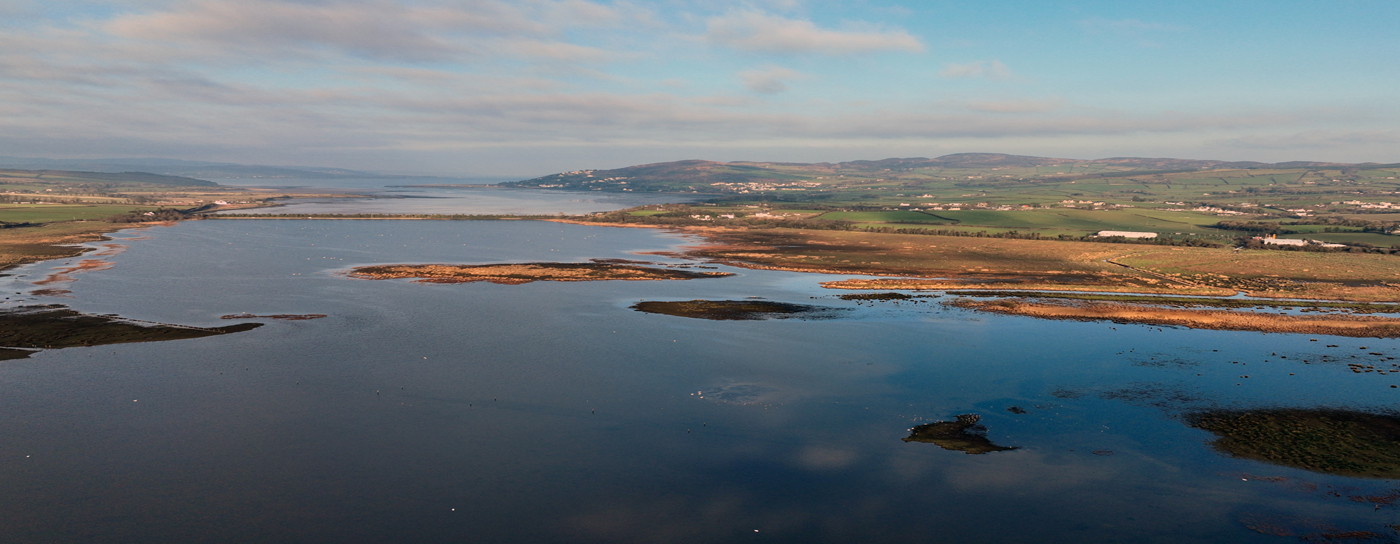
(24, 245)
(914, 261)
(1361, 326)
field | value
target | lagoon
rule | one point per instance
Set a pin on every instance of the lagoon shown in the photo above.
(553, 412)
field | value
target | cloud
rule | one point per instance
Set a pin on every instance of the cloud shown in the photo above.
(380, 30)
(1017, 106)
(993, 69)
(373, 29)
(768, 80)
(760, 32)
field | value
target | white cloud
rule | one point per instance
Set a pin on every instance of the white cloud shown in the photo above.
(381, 30)
(761, 32)
(768, 80)
(374, 29)
(993, 69)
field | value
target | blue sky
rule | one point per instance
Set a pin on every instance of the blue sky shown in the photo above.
(521, 88)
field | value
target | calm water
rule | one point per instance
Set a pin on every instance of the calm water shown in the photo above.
(551, 412)
(394, 197)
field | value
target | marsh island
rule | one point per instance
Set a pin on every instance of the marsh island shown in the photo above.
(513, 274)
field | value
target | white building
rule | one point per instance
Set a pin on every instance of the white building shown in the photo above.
(1126, 234)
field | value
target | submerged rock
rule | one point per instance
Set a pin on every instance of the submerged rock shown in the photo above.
(963, 434)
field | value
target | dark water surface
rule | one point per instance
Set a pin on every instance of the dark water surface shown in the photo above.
(551, 412)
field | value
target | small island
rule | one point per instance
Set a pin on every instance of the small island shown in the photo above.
(965, 434)
(518, 273)
(735, 310)
(29, 329)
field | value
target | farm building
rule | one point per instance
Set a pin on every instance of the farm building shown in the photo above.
(1275, 240)
(1126, 234)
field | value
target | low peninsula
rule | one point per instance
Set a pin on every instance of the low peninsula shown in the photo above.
(518, 273)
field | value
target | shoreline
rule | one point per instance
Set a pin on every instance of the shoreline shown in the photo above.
(20, 246)
(1356, 326)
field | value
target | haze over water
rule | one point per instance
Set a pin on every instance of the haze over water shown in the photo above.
(552, 412)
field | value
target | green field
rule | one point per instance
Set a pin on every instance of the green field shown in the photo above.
(900, 216)
(47, 213)
(1375, 239)
(1048, 221)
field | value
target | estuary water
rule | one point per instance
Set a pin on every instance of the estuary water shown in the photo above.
(435, 196)
(552, 412)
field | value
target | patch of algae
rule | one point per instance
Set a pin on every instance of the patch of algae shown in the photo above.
(1341, 442)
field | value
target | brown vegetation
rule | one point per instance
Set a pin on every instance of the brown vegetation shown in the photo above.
(512, 274)
(1336, 325)
(950, 262)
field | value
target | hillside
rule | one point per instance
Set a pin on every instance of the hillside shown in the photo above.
(67, 177)
(720, 177)
(196, 169)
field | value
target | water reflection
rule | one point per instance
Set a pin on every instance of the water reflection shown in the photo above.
(549, 411)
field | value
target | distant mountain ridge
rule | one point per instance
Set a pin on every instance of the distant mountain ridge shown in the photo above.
(995, 160)
(192, 169)
(701, 175)
(103, 177)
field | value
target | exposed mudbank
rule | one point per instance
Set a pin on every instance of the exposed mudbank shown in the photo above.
(963, 434)
(285, 317)
(512, 274)
(736, 310)
(55, 327)
(1341, 442)
(879, 296)
(7, 353)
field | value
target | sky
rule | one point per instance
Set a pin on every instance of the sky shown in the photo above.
(531, 87)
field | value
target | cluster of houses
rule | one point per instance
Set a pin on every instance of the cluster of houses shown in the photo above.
(756, 186)
(1372, 205)
(1216, 211)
